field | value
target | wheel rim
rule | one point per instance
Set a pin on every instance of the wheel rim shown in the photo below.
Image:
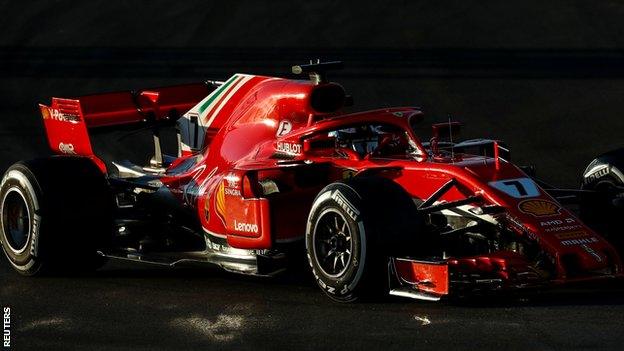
(16, 220)
(333, 244)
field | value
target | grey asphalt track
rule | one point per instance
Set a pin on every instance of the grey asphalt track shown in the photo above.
(547, 78)
(134, 307)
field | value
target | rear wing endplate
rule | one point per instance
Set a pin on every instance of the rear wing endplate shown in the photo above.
(67, 121)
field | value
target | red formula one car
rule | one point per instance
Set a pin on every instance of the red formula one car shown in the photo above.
(271, 168)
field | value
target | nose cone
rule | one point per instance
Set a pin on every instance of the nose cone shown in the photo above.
(578, 250)
(583, 252)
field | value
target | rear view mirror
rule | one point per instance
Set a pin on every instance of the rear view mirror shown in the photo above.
(319, 141)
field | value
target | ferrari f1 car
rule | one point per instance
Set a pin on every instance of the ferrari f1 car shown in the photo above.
(269, 169)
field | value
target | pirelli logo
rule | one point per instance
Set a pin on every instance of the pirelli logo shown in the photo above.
(345, 204)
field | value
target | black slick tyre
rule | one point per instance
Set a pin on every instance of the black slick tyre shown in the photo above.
(54, 213)
(352, 230)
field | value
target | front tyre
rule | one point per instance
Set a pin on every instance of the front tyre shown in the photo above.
(54, 213)
(352, 229)
(603, 209)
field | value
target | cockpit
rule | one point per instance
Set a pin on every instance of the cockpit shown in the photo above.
(368, 140)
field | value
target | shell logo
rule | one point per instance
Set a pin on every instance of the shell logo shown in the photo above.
(45, 112)
(539, 208)
(220, 201)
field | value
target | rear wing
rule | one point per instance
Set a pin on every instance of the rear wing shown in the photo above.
(67, 121)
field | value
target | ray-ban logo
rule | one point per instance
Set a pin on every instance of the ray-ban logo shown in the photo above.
(6, 328)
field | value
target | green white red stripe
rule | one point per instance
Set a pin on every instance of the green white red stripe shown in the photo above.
(210, 107)
(192, 133)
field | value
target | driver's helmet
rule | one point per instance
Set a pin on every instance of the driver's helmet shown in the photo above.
(361, 139)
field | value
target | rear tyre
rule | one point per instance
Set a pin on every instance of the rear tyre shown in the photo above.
(54, 214)
(352, 230)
